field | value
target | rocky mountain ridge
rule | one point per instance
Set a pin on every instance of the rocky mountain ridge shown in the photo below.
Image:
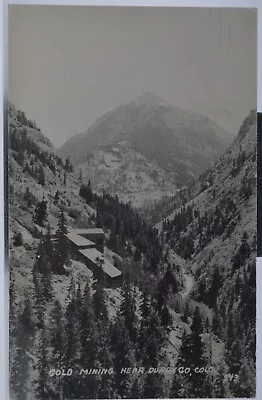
(178, 143)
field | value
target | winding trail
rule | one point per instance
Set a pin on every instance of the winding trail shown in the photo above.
(189, 282)
(188, 277)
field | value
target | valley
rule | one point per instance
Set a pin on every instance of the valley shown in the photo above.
(145, 149)
(177, 218)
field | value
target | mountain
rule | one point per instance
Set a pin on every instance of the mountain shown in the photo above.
(187, 298)
(179, 143)
(225, 175)
(213, 228)
(45, 198)
(127, 173)
(17, 119)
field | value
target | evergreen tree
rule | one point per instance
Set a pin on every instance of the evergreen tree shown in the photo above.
(245, 383)
(41, 176)
(56, 198)
(215, 286)
(42, 274)
(235, 357)
(72, 332)
(67, 165)
(217, 325)
(18, 239)
(192, 355)
(58, 334)
(28, 197)
(80, 176)
(47, 281)
(40, 213)
(136, 390)
(87, 328)
(105, 358)
(154, 386)
(220, 385)
(145, 310)
(42, 389)
(19, 373)
(61, 255)
(21, 341)
(128, 310)
(179, 387)
(166, 319)
(153, 336)
(26, 319)
(99, 301)
(123, 357)
(48, 246)
(185, 315)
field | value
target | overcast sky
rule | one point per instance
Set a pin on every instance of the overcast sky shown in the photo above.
(69, 65)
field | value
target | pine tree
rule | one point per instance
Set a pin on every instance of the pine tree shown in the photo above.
(99, 301)
(80, 176)
(166, 319)
(22, 340)
(72, 333)
(49, 247)
(185, 315)
(207, 325)
(179, 387)
(18, 239)
(123, 357)
(215, 286)
(154, 386)
(28, 197)
(192, 355)
(245, 384)
(42, 389)
(41, 176)
(67, 165)
(145, 310)
(26, 319)
(38, 290)
(128, 310)
(230, 331)
(105, 358)
(61, 255)
(56, 198)
(71, 295)
(19, 374)
(65, 176)
(42, 274)
(217, 325)
(40, 213)
(58, 334)
(136, 390)
(235, 357)
(220, 385)
(153, 339)
(47, 281)
(87, 327)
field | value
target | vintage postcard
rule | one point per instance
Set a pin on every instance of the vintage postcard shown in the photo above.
(132, 202)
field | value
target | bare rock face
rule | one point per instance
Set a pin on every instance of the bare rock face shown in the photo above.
(174, 144)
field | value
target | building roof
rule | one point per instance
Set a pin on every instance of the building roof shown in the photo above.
(89, 231)
(79, 240)
(108, 268)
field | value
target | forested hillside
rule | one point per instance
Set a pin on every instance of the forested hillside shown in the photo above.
(146, 149)
(181, 324)
(215, 231)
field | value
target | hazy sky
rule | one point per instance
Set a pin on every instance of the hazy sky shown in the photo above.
(68, 65)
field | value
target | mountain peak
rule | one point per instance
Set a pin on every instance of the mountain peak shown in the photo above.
(149, 98)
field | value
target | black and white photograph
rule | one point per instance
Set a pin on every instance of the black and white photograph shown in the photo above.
(132, 193)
